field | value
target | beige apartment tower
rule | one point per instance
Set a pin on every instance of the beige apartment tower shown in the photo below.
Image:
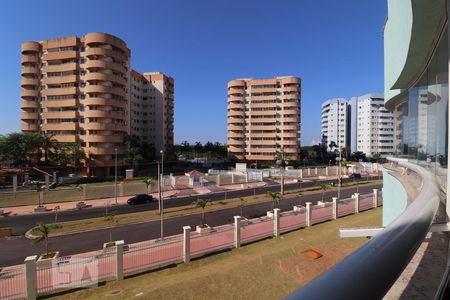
(82, 90)
(264, 118)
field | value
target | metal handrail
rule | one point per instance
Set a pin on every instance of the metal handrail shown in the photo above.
(370, 271)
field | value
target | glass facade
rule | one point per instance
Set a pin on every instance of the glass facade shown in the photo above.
(421, 120)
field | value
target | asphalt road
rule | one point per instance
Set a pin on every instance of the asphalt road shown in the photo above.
(14, 250)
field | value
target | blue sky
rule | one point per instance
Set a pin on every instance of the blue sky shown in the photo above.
(336, 48)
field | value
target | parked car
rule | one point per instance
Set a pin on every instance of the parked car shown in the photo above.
(140, 199)
(354, 175)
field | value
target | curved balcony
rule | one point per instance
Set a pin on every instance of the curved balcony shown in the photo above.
(236, 83)
(233, 142)
(371, 270)
(61, 91)
(61, 55)
(100, 89)
(290, 120)
(28, 70)
(238, 135)
(61, 79)
(29, 115)
(236, 106)
(29, 59)
(29, 82)
(97, 138)
(289, 134)
(232, 98)
(263, 142)
(99, 64)
(61, 115)
(105, 102)
(63, 138)
(236, 92)
(290, 143)
(60, 126)
(96, 52)
(235, 127)
(291, 89)
(30, 47)
(290, 80)
(60, 103)
(103, 126)
(235, 149)
(28, 104)
(236, 113)
(61, 67)
(97, 76)
(96, 38)
(29, 127)
(266, 135)
(105, 114)
(104, 150)
(24, 93)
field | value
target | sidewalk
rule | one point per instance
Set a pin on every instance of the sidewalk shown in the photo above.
(29, 209)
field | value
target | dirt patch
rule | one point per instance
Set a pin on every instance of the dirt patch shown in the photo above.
(312, 254)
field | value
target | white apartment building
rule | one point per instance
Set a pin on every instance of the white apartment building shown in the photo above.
(335, 122)
(372, 125)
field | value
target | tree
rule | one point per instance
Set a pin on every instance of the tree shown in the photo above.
(276, 197)
(67, 154)
(44, 230)
(148, 181)
(358, 156)
(324, 187)
(202, 204)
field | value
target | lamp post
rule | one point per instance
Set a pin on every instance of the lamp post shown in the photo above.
(282, 164)
(161, 191)
(115, 174)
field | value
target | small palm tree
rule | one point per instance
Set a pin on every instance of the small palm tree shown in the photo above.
(112, 219)
(242, 205)
(202, 204)
(324, 187)
(56, 209)
(43, 230)
(148, 182)
(39, 188)
(276, 197)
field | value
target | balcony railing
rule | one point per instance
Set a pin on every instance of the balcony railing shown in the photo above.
(370, 271)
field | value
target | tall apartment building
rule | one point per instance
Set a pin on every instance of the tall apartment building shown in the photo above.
(335, 123)
(81, 90)
(372, 125)
(264, 118)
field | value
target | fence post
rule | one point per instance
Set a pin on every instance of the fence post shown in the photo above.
(186, 243)
(335, 208)
(356, 203)
(315, 170)
(84, 187)
(119, 259)
(54, 177)
(246, 177)
(218, 179)
(237, 231)
(375, 198)
(232, 177)
(47, 181)
(308, 214)
(326, 171)
(301, 173)
(309, 172)
(276, 222)
(30, 273)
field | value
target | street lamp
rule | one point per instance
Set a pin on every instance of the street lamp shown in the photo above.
(115, 174)
(282, 165)
(161, 191)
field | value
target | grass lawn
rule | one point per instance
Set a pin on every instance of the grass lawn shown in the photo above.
(269, 269)
(96, 223)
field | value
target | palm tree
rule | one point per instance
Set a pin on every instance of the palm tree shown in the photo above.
(324, 187)
(242, 205)
(44, 230)
(276, 197)
(39, 188)
(201, 203)
(148, 181)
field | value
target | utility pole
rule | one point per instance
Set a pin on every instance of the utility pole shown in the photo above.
(161, 195)
(115, 174)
